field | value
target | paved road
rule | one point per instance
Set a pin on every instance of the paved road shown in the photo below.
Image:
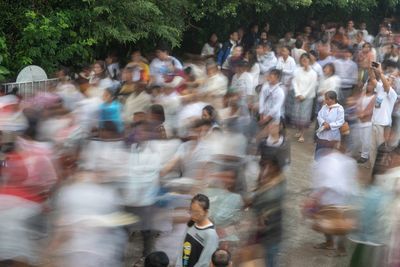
(297, 248)
(299, 238)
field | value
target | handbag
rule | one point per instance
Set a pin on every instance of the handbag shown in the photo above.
(335, 220)
(345, 129)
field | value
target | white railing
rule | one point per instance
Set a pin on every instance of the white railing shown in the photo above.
(28, 89)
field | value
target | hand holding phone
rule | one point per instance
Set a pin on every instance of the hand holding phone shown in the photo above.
(374, 64)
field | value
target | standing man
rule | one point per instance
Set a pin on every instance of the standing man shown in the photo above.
(227, 48)
(347, 71)
(272, 99)
(382, 114)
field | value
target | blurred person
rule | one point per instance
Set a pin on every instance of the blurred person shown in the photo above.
(99, 79)
(163, 65)
(226, 204)
(315, 65)
(263, 37)
(171, 102)
(215, 85)
(392, 54)
(364, 58)
(140, 67)
(138, 100)
(127, 84)
(209, 113)
(228, 68)
(304, 83)
(201, 239)
(287, 65)
(12, 118)
(254, 68)
(371, 235)
(28, 176)
(86, 231)
(385, 100)
(324, 53)
(243, 82)
(266, 57)
(192, 155)
(156, 259)
(272, 98)
(330, 119)
(288, 40)
(267, 204)
(359, 41)
(113, 66)
(111, 110)
(251, 37)
(221, 258)
(211, 48)
(334, 189)
(227, 48)
(351, 31)
(347, 70)
(329, 82)
(156, 119)
(67, 90)
(297, 51)
(365, 108)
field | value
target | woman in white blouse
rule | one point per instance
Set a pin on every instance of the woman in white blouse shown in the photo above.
(330, 119)
(211, 48)
(329, 82)
(304, 82)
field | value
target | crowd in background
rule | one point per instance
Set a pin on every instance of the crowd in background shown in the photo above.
(189, 157)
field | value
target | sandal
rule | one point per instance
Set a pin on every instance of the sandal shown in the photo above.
(324, 245)
(301, 140)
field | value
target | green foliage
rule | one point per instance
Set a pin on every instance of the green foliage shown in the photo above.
(54, 32)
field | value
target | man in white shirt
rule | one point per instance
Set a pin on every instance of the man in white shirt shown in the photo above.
(382, 114)
(266, 57)
(272, 99)
(242, 81)
(347, 71)
(215, 85)
(162, 65)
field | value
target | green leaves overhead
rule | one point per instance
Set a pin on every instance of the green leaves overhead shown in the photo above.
(53, 32)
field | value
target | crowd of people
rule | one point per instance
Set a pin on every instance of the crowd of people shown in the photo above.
(187, 160)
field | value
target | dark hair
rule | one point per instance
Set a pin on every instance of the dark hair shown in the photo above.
(110, 126)
(331, 95)
(332, 66)
(158, 110)
(304, 55)
(313, 53)
(298, 44)
(199, 123)
(221, 258)
(102, 64)
(212, 112)
(204, 203)
(203, 200)
(277, 73)
(156, 259)
(252, 58)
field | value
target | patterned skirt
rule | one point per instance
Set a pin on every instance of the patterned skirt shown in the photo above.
(301, 116)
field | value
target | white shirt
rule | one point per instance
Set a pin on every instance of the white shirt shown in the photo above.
(255, 73)
(267, 62)
(318, 69)
(384, 103)
(216, 85)
(304, 82)
(243, 83)
(271, 101)
(347, 70)
(334, 116)
(296, 54)
(287, 67)
(159, 68)
(331, 83)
